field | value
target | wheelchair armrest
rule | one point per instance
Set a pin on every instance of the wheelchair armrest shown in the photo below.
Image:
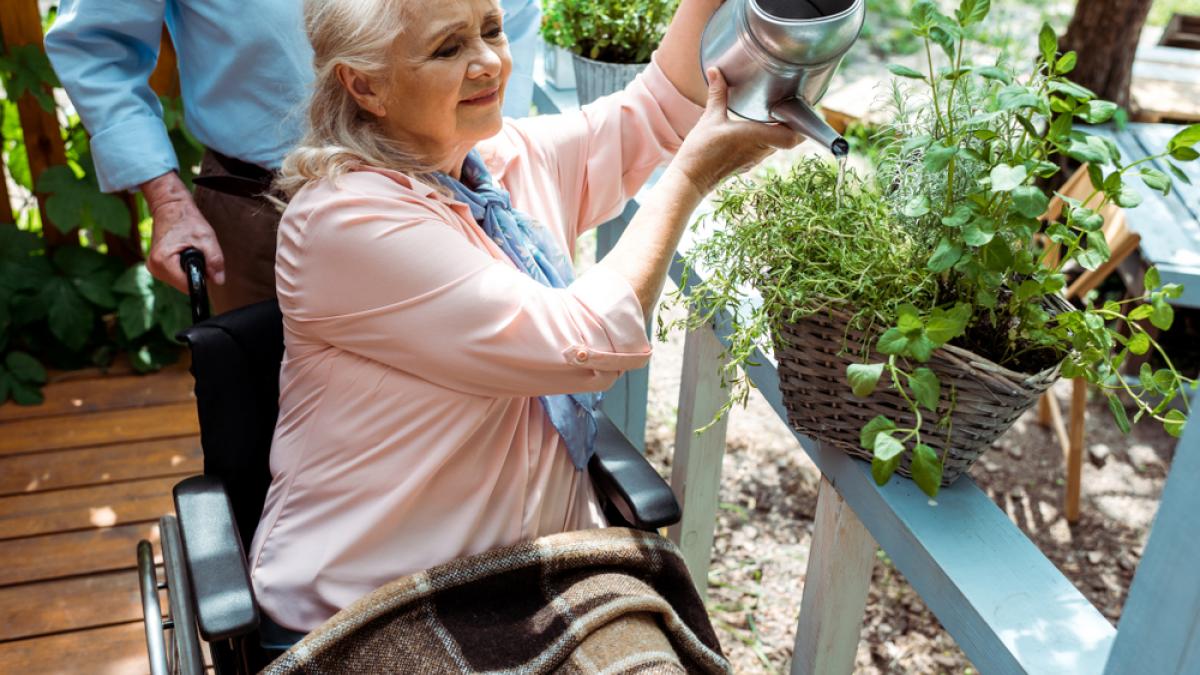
(216, 563)
(625, 477)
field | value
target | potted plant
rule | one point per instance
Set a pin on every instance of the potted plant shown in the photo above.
(610, 41)
(914, 311)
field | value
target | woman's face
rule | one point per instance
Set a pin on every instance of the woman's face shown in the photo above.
(447, 86)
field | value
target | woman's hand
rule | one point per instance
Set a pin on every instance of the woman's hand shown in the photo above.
(719, 145)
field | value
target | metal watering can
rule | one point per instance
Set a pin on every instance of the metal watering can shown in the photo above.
(778, 57)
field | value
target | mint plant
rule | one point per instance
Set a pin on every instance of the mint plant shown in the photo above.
(945, 242)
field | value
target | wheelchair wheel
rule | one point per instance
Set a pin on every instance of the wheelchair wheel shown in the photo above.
(180, 652)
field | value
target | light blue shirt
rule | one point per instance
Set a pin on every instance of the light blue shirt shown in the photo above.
(244, 71)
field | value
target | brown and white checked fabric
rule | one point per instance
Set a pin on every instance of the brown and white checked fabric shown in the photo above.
(594, 601)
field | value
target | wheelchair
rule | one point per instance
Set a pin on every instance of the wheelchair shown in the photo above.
(236, 359)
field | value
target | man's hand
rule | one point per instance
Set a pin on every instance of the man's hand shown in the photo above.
(178, 225)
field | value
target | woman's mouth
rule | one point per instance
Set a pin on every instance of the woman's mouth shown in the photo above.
(486, 97)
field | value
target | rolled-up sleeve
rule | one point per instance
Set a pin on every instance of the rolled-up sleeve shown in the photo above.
(416, 295)
(603, 153)
(103, 53)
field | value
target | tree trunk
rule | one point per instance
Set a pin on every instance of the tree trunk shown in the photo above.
(1104, 33)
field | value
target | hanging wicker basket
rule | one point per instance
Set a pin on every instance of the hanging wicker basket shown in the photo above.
(983, 398)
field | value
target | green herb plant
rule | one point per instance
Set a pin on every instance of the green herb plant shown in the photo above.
(945, 242)
(74, 306)
(613, 31)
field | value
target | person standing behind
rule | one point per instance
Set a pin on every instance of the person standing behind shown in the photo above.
(244, 70)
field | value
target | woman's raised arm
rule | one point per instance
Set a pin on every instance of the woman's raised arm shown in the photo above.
(679, 52)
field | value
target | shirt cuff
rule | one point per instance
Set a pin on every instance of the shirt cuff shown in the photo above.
(610, 297)
(132, 152)
(681, 112)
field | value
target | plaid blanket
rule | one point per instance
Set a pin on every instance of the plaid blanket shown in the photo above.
(594, 601)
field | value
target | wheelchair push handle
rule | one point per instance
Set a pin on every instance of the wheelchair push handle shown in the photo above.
(192, 262)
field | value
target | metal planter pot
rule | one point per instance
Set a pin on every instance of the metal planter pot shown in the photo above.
(594, 79)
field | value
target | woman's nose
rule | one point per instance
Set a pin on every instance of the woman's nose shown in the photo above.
(486, 62)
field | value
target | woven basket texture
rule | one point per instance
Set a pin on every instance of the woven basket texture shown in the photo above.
(594, 79)
(987, 398)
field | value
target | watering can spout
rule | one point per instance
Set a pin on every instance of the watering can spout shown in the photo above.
(799, 116)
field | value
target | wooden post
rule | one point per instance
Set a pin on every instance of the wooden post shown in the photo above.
(696, 467)
(840, 561)
(1075, 448)
(21, 24)
(1159, 631)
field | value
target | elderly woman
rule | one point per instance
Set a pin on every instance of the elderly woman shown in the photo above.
(437, 390)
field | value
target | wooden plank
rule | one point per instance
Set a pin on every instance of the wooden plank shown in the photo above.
(1160, 624)
(67, 554)
(1078, 415)
(112, 650)
(83, 467)
(117, 426)
(21, 24)
(106, 393)
(696, 466)
(46, 607)
(85, 508)
(840, 561)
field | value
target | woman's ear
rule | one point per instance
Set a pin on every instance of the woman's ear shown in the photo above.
(362, 89)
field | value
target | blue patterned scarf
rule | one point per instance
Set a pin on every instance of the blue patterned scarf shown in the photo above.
(535, 252)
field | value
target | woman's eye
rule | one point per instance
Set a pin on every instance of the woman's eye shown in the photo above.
(447, 51)
(493, 33)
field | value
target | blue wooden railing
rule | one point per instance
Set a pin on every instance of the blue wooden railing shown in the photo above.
(1007, 606)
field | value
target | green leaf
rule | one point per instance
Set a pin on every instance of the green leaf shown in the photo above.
(1175, 423)
(882, 470)
(1187, 137)
(1030, 201)
(920, 348)
(1091, 150)
(1162, 315)
(908, 320)
(916, 207)
(25, 368)
(995, 73)
(1118, 413)
(1179, 174)
(1015, 96)
(962, 213)
(887, 447)
(136, 316)
(1047, 43)
(136, 280)
(1184, 154)
(863, 378)
(905, 71)
(23, 394)
(925, 387)
(979, 231)
(891, 342)
(972, 12)
(1151, 279)
(1139, 344)
(1066, 63)
(938, 156)
(996, 256)
(69, 316)
(1141, 312)
(1068, 88)
(1173, 291)
(1097, 111)
(945, 255)
(878, 424)
(944, 326)
(1155, 179)
(1005, 178)
(927, 469)
(1128, 197)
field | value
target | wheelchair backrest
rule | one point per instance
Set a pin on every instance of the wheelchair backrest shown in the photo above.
(235, 360)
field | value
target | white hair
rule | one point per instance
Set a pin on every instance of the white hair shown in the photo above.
(340, 135)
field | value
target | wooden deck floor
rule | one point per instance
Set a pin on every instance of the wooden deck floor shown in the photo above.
(83, 477)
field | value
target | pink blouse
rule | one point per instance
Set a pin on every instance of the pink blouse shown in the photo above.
(409, 431)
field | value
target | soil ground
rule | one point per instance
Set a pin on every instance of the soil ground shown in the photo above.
(768, 498)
